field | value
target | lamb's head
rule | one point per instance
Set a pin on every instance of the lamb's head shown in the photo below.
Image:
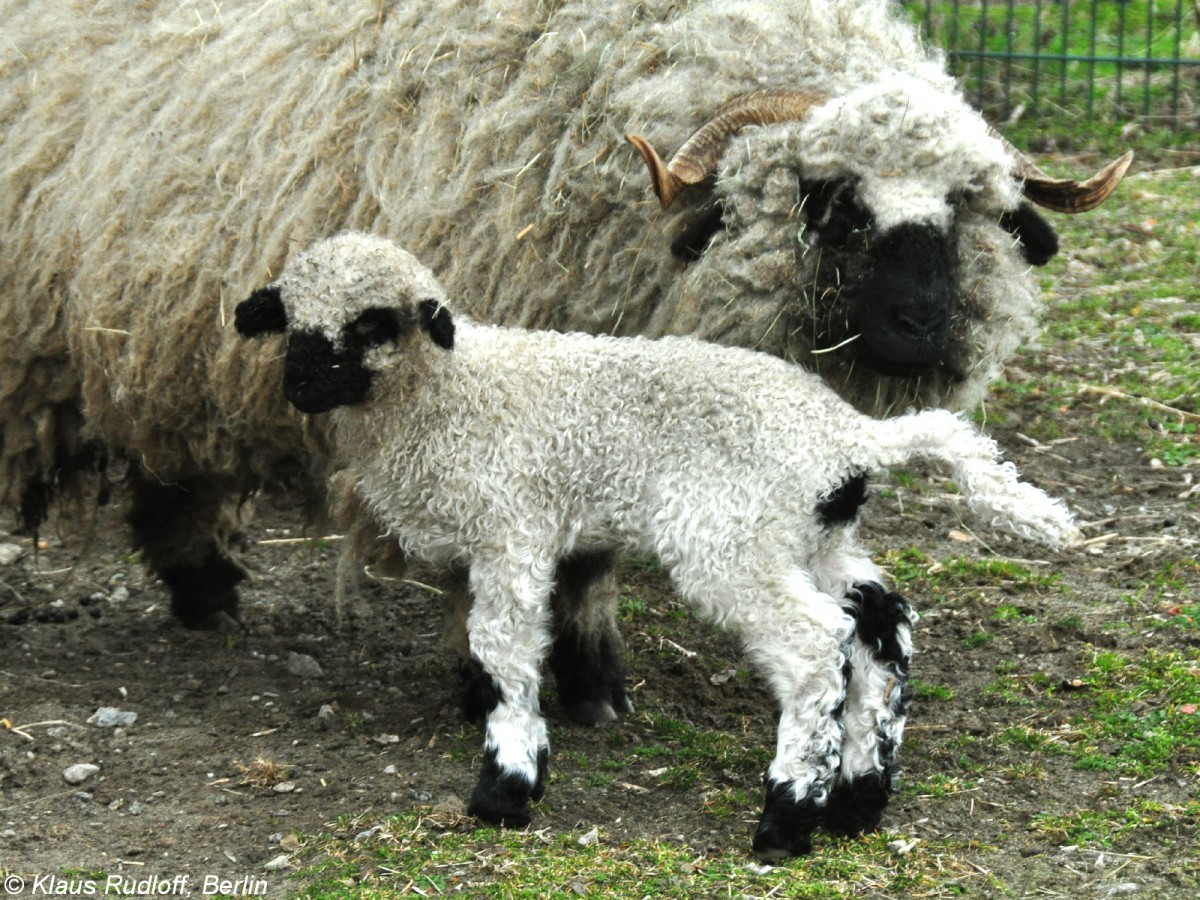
(877, 205)
(351, 306)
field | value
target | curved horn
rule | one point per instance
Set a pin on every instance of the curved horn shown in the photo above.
(1066, 195)
(697, 158)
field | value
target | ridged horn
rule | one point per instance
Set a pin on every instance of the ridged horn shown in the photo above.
(697, 158)
(1066, 195)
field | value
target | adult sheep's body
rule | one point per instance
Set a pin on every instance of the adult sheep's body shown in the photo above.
(158, 160)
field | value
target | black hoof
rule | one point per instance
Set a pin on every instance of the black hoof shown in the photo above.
(786, 826)
(590, 676)
(502, 798)
(588, 656)
(856, 807)
(202, 607)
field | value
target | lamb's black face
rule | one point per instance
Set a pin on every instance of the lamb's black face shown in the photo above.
(319, 376)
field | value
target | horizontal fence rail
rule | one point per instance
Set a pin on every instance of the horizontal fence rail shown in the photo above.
(1082, 58)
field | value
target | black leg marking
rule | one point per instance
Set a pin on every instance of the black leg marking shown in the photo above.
(588, 656)
(502, 798)
(786, 826)
(857, 803)
(480, 695)
(840, 506)
(200, 591)
(879, 614)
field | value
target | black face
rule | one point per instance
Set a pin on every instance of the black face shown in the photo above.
(899, 287)
(318, 377)
(897, 291)
(902, 306)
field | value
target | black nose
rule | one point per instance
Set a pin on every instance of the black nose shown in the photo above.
(922, 322)
(904, 303)
(317, 377)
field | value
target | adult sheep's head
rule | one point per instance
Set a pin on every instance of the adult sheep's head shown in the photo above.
(884, 203)
(349, 305)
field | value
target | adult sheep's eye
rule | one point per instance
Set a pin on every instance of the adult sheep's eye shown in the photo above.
(373, 327)
(833, 211)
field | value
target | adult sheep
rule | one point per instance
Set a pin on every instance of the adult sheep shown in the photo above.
(161, 158)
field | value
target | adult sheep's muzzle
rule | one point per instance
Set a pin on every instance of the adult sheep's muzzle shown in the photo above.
(904, 300)
(317, 377)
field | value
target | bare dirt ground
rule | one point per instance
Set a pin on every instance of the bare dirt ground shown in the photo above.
(169, 797)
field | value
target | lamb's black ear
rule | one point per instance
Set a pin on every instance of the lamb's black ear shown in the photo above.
(1039, 243)
(261, 313)
(435, 318)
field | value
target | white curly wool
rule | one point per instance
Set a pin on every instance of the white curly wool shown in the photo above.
(515, 449)
(161, 159)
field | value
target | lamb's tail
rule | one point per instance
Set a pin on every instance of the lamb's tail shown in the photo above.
(990, 486)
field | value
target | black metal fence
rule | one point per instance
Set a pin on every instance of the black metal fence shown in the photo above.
(1084, 59)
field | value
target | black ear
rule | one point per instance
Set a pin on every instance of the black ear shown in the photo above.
(437, 322)
(1039, 243)
(261, 313)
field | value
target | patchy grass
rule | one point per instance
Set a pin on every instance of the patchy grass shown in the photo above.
(913, 570)
(1125, 315)
(1109, 829)
(420, 855)
(1144, 713)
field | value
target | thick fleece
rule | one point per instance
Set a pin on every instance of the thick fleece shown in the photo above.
(161, 158)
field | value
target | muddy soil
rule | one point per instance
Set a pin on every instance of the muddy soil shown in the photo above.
(361, 716)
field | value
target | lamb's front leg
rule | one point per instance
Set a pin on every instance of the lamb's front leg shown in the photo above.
(509, 634)
(802, 643)
(876, 708)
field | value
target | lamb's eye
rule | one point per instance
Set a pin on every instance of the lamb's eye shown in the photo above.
(373, 327)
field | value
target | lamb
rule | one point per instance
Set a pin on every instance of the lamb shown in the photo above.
(841, 207)
(507, 451)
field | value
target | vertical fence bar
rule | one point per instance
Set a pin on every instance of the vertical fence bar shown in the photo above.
(1009, 28)
(983, 26)
(1177, 65)
(1120, 47)
(957, 65)
(1147, 55)
(1091, 82)
(1037, 55)
(1066, 44)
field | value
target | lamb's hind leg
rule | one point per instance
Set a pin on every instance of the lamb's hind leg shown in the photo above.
(800, 639)
(508, 632)
(877, 702)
